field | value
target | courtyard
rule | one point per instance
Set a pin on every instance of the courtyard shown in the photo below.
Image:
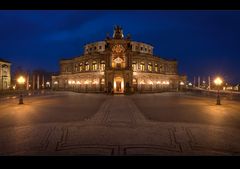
(68, 123)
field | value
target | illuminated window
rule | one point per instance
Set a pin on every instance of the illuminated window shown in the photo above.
(161, 68)
(94, 65)
(134, 66)
(102, 65)
(80, 67)
(86, 66)
(142, 66)
(102, 81)
(149, 66)
(134, 81)
(156, 67)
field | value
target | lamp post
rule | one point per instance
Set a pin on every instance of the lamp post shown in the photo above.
(21, 81)
(218, 82)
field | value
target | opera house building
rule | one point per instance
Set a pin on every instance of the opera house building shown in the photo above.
(118, 65)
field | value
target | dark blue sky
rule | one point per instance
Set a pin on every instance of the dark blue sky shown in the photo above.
(204, 42)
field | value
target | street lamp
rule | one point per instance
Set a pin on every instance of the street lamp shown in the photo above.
(21, 81)
(218, 82)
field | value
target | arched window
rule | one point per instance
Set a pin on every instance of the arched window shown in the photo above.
(150, 66)
(134, 81)
(161, 68)
(87, 66)
(94, 65)
(76, 67)
(80, 67)
(134, 65)
(156, 67)
(142, 66)
(102, 65)
(4, 70)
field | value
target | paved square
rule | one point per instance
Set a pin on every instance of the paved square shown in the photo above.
(67, 123)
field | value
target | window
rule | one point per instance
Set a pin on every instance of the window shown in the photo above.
(134, 66)
(134, 81)
(94, 65)
(86, 66)
(145, 49)
(102, 65)
(100, 47)
(76, 67)
(142, 66)
(156, 67)
(149, 66)
(80, 67)
(4, 70)
(161, 68)
(95, 48)
(141, 48)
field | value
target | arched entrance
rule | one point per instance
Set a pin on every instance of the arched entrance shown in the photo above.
(118, 85)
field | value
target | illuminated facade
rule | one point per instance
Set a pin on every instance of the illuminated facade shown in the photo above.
(118, 65)
(5, 74)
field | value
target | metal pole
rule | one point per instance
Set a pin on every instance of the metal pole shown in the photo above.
(21, 95)
(218, 97)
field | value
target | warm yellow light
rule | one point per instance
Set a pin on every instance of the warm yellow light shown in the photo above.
(218, 81)
(55, 82)
(158, 82)
(69, 82)
(150, 82)
(78, 82)
(181, 83)
(21, 80)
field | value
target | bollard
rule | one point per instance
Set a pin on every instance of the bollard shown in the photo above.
(21, 99)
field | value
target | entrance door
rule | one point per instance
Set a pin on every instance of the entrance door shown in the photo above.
(118, 85)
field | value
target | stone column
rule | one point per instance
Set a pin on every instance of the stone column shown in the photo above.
(198, 81)
(194, 81)
(33, 82)
(43, 83)
(209, 82)
(27, 82)
(38, 82)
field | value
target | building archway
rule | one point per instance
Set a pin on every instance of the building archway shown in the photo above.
(118, 86)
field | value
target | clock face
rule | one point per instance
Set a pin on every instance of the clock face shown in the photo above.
(118, 48)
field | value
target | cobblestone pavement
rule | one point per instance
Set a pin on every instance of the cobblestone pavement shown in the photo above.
(95, 124)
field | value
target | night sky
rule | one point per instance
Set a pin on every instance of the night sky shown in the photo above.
(204, 42)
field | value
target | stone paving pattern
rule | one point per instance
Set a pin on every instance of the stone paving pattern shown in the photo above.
(95, 124)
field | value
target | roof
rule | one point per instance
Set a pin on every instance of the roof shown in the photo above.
(2, 60)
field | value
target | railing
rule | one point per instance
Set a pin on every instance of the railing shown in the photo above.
(8, 94)
(230, 95)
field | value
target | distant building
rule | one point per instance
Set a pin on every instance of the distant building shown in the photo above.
(118, 65)
(5, 74)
